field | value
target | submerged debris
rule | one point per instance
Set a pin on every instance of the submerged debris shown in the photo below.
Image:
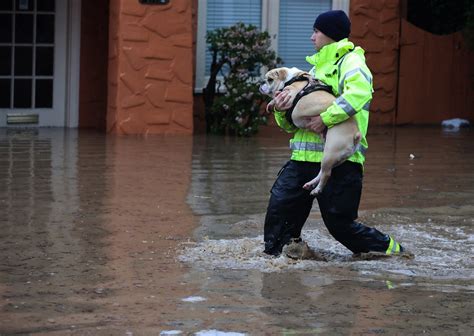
(194, 299)
(455, 124)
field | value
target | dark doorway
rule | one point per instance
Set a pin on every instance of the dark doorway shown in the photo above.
(94, 64)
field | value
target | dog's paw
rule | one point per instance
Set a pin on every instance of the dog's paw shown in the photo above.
(316, 191)
(309, 186)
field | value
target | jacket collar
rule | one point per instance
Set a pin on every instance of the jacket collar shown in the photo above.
(331, 52)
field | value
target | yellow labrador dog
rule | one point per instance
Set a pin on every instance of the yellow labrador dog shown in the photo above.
(341, 139)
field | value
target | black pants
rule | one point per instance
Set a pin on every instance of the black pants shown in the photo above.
(290, 205)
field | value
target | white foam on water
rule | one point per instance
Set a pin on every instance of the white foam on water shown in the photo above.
(455, 123)
(217, 333)
(170, 332)
(442, 253)
(194, 299)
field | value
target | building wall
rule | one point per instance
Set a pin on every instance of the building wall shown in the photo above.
(376, 28)
(94, 61)
(148, 85)
(419, 77)
(150, 69)
(435, 77)
(199, 123)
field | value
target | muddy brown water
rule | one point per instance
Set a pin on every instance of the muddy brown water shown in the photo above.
(162, 235)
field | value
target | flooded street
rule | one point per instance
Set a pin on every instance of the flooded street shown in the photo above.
(163, 235)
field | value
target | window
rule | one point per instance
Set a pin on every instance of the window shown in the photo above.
(223, 13)
(289, 22)
(27, 54)
(295, 29)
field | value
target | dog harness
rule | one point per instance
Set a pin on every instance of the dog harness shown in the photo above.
(312, 86)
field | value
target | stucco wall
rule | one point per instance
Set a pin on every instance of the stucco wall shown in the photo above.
(150, 68)
(376, 28)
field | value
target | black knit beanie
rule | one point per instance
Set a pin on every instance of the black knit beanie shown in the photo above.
(334, 24)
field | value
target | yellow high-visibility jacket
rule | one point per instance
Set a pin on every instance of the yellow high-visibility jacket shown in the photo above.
(341, 66)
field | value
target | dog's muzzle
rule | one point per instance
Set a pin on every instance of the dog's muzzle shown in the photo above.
(265, 89)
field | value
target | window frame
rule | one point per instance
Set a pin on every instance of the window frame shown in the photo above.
(270, 23)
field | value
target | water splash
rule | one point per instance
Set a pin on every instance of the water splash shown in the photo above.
(443, 254)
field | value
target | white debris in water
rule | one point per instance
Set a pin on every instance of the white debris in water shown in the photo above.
(455, 124)
(217, 333)
(170, 332)
(194, 299)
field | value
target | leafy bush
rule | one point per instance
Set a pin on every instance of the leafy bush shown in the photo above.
(238, 54)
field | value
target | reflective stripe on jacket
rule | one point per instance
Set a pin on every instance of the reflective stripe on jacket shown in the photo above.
(342, 67)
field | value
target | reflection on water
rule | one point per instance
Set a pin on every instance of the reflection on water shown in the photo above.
(107, 235)
(44, 228)
(405, 168)
(231, 177)
(418, 187)
(88, 228)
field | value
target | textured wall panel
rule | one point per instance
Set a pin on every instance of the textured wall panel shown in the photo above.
(151, 67)
(375, 27)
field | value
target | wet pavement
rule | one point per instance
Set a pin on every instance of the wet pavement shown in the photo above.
(162, 235)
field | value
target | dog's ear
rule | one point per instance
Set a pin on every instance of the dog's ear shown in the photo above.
(271, 75)
(282, 73)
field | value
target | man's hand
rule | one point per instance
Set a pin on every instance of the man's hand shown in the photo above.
(316, 125)
(282, 100)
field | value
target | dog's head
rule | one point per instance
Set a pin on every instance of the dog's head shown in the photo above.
(275, 79)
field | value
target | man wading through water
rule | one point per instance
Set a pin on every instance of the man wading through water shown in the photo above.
(341, 65)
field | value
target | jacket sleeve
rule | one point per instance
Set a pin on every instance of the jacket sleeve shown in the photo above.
(283, 123)
(355, 88)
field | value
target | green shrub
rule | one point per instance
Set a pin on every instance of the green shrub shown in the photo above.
(233, 103)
